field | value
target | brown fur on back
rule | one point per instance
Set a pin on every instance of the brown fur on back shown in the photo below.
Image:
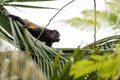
(31, 25)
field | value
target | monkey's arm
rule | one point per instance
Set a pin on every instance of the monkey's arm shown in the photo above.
(17, 19)
(25, 22)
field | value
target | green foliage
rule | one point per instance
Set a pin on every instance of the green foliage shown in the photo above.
(13, 32)
(70, 64)
(23, 0)
(25, 6)
(65, 71)
(105, 44)
(93, 66)
(18, 4)
(106, 66)
(81, 22)
(105, 18)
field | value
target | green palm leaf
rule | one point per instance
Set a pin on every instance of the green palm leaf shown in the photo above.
(107, 43)
(25, 6)
(16, 34)
(23, 0)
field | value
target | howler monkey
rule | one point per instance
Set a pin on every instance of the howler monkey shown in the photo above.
(48, 36)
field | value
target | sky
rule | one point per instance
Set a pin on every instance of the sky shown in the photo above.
(71, 37)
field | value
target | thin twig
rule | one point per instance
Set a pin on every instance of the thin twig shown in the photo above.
(95, 24)
(53, 18)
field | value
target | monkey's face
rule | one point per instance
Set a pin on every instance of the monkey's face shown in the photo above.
(53, 35)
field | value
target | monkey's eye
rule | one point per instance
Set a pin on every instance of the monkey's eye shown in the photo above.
(57, 35)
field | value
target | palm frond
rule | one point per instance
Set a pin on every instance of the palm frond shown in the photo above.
(26, 6)
(16, 34)
(23, 0)
(107, 43)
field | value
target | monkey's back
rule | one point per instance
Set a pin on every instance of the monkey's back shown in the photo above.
(31, 25)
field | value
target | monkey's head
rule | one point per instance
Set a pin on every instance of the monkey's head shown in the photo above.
(53, 35)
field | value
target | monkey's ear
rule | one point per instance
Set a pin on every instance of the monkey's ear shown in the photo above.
(47, 32)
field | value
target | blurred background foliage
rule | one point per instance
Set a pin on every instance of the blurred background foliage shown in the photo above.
(39, 62)
(109, 17)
